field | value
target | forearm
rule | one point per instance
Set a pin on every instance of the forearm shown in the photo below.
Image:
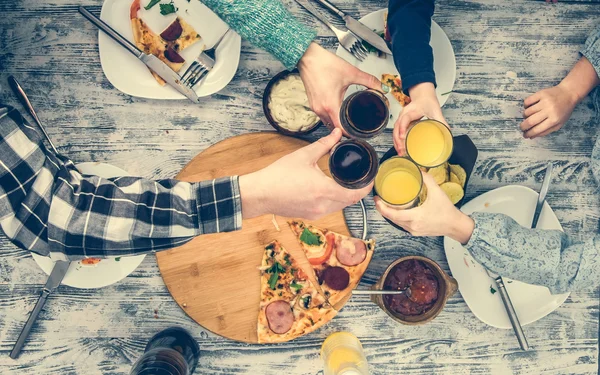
(409, 23)
(267, 24)
(535, 256)
(460, 228)
(581, 80)
(92, 216)
(253, 198)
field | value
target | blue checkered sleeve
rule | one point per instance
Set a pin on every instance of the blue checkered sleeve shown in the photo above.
(47, 206)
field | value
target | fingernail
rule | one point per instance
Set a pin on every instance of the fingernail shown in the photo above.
(385, 88)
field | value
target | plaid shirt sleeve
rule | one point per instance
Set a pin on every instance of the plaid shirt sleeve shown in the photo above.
(48, 207)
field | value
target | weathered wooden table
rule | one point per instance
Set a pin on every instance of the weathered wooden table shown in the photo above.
(53, 51)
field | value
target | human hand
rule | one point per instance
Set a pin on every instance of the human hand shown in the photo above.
(437, 216)
(295, 186)
(547, 111)
(423, 102)
(326, 78)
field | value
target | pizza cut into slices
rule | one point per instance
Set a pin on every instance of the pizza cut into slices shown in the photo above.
(290, 305)
(339, 261)
(175, 38)
(395, 84)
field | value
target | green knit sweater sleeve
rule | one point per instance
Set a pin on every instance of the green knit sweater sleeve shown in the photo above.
(267, 24)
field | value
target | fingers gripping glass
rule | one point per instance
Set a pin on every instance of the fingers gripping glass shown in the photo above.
(429, 143)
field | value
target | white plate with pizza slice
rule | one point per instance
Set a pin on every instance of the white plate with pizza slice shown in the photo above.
(444, 62)
(130, 76)
(93, 272)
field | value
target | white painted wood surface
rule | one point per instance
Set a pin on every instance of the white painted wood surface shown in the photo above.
(53, 52)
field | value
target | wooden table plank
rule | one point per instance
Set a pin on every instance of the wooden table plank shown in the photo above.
(505, 50)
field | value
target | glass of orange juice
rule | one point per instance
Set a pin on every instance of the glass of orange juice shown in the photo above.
(342, 354)
(398, 182)
(429, 143)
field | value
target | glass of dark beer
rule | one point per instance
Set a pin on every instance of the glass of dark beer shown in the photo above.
(365, 114)
(172, 351)
(353, 163)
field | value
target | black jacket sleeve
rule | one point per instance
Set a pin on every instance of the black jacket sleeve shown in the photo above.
(409, 25)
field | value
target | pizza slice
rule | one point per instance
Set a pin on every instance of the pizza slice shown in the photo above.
(395, 84)
(166, 46)
(180, 35)
(339, 261)
(290, 305)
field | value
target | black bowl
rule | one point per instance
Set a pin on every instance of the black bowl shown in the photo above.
(464, 154)
(267, 111)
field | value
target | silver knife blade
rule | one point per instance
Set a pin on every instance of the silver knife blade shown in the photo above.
(510, 310)
(366, 34)
(542, 197)
(151, 61)
(56, 276)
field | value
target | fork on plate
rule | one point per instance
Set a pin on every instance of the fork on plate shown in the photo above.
(349, 41)
(202, 65)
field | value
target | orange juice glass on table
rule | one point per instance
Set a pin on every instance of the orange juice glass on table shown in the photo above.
(342, 354)
(429, 143)
(399, 182)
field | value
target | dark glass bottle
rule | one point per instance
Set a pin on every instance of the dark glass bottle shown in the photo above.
(172, 351)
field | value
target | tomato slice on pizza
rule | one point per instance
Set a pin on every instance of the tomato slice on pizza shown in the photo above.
(339, 261)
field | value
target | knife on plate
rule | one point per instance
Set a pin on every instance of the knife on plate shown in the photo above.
(54, 280)
(151, 61)
(510, 310)
(542, 196)
(358, 28)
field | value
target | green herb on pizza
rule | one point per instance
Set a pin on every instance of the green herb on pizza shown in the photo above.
(151, 4)
(310, 238)
(167, 9)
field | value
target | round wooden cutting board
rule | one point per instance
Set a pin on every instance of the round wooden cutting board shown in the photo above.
(215, 278)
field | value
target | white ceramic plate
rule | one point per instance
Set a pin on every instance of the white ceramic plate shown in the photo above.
(531, 302)
(108, 271)
(129, 75)
(444, 62)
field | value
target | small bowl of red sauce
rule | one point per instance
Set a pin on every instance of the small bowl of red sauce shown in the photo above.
(428, 289)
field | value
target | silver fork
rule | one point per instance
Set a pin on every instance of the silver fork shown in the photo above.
(349, 41)
(202, 65)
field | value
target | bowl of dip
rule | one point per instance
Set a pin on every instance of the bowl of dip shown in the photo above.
(285, 104)
(430, 287)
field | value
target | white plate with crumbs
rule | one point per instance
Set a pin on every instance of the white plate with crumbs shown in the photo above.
(531, 302)
(444, 62)
(108, 271)
(130, 76)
